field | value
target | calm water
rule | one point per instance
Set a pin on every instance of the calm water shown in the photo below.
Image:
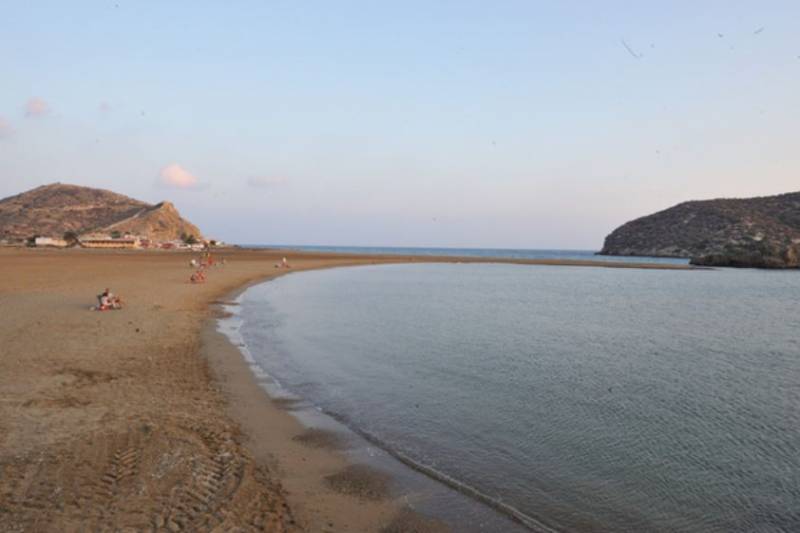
(506, 253)
(589, 399)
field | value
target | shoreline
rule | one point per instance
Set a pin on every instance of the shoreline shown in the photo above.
(275, 436)
(115, 419)
(401, 258)
(113, 411)
(223, 363)
(270, 434)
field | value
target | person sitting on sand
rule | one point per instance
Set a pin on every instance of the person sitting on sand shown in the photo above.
(108, 301)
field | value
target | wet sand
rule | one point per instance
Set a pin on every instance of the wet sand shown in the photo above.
(148, 419)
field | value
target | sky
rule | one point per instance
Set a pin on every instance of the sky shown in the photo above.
(508, 124)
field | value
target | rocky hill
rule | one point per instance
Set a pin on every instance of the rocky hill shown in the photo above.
(750, 232)
(161, 222)
(52, 210)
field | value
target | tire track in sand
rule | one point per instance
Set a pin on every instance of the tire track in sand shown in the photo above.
(163, 475)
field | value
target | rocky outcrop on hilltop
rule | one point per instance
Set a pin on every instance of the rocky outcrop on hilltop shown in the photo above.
(53, 210)
(161, 222)
(761, 232)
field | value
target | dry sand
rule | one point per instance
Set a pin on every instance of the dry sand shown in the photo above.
(147, 419)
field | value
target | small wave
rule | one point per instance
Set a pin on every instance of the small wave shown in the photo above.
(260, 373)
(530, 522)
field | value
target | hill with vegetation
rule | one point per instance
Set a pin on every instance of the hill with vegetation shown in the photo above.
(759, 232)
(56, 209)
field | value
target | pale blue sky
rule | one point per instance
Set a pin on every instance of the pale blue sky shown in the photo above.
(487, 124)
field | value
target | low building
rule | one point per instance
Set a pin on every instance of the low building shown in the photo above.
(180, 245)
(50, 242)
(106, 241)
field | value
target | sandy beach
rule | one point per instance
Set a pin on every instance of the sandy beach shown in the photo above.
(147, 419)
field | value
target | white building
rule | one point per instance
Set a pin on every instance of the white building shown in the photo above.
(49, 241)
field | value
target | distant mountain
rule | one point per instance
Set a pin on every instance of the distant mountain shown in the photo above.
(759, 232)
(52, 210)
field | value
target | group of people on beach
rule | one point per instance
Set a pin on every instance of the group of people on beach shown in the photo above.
(201, 266)
(108, 301)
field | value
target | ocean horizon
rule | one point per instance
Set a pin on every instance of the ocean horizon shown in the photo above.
(504, 253)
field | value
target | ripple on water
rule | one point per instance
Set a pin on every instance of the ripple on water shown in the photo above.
(597, 399)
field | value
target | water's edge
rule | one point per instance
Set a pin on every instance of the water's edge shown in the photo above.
(310, 415)
(664, 405)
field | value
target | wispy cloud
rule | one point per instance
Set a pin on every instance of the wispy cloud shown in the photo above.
(36, 107)
(263, 182)
(104, 107)
(5, 128)
(176, 177)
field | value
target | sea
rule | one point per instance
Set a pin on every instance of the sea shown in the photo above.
(503, 253)
(508, 397)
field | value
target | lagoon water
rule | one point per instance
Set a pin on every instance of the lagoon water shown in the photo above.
(588, 399)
